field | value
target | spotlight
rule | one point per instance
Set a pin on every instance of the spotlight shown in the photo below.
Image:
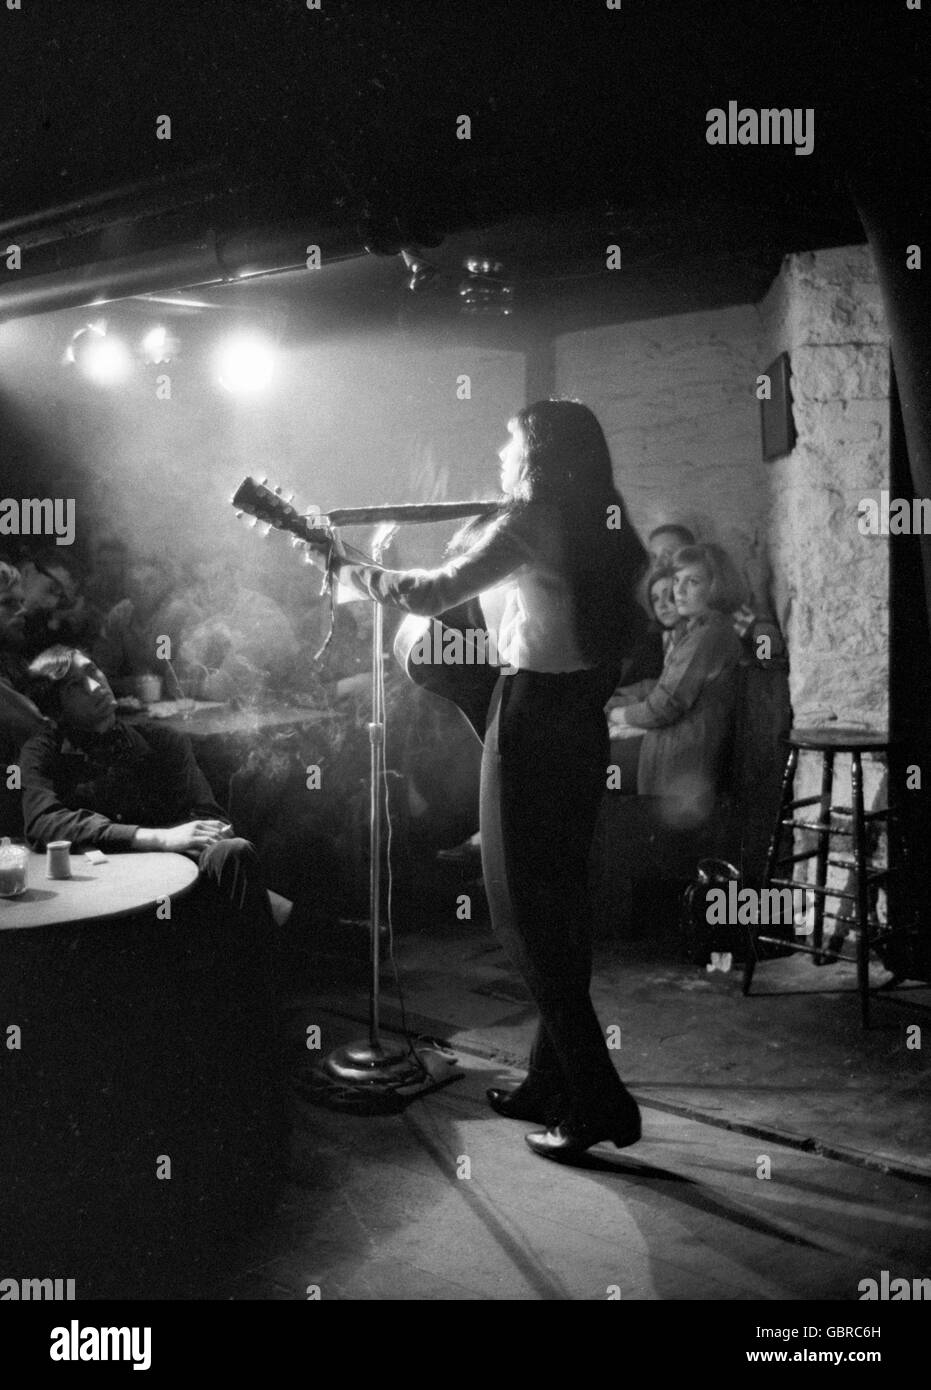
(421, 271)
(158, 345)
(485, 290)
(245, 363)
(101, 357)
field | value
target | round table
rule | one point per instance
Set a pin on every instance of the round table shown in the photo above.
(123, 886)
(136, 1038)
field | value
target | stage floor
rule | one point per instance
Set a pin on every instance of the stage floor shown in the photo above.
(790, 1061)
(374, 1207)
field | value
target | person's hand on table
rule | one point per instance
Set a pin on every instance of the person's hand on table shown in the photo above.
(194, 836)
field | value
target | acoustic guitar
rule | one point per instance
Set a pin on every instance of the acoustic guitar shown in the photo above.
(447, 655)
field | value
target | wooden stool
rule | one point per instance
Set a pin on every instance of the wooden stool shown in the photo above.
(867, 875)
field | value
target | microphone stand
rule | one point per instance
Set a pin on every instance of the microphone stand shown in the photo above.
(373, 1061)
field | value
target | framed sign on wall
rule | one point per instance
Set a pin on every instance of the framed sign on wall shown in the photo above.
(776, 423)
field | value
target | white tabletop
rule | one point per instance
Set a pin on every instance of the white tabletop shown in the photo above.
(124, 884)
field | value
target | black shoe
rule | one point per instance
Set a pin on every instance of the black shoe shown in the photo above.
(567, 1142)
(465, 856)
(513, 1106)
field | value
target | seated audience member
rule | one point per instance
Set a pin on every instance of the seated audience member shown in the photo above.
(663, 542)
(19, 716)
(104, 784)
(642, 669)
(44, 592)
(688, 714)
(14, 668)
(749, 625)
(130, 640)
(237, 642)
(108, 580)
(55, 610)
(646, 660)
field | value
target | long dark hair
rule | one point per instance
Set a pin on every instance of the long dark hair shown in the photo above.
(567, 465)
(645, 591)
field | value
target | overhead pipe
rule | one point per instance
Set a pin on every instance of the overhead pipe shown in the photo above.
(186, 266)
(81, 208)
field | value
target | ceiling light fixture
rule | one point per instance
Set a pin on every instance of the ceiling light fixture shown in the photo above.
(485, 290)
(421, 271)
(100, 356)
(245, 363)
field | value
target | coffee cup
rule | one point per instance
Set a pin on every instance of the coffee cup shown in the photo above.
(58, 859)
(149, 689)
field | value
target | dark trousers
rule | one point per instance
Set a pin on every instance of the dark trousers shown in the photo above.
(543, 776)
(230, 895)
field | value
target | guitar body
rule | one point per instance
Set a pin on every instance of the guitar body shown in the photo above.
(420, 644)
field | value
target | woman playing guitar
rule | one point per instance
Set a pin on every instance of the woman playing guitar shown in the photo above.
(568, 559)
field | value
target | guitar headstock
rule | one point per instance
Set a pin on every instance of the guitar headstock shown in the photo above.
(264, 504)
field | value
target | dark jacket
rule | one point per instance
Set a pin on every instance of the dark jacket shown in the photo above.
(689, 714)
(97, 791)
(19, 720)
(645, 661)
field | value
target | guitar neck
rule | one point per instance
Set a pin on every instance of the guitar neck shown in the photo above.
(410, 512)
(260, 501)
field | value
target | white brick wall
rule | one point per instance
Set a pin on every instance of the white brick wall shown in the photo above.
(831, 582)
(676, 398)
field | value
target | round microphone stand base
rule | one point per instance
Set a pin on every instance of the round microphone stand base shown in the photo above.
(375, 1064)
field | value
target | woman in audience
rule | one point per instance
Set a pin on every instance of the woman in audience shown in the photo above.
(688, 714)
(645, 663)
(641, 671)
(750, 623)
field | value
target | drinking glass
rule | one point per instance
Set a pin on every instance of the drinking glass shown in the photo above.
(14, 856)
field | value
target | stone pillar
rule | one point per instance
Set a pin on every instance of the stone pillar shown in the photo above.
(831, 582)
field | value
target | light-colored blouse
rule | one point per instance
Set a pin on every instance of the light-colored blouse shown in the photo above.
(522, 556)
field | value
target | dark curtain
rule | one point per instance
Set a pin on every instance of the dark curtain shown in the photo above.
(909, 705)
(894, 207)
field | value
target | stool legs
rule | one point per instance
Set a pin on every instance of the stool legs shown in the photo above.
(862, 889)
(772, 858)
(821, 862)
(865, 876)
(901, 913)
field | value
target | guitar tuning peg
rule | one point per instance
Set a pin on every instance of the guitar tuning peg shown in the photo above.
(267, 530)
(290, 499)
(265, 482)
(255, 523)
(239, 516)
(277, 491)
